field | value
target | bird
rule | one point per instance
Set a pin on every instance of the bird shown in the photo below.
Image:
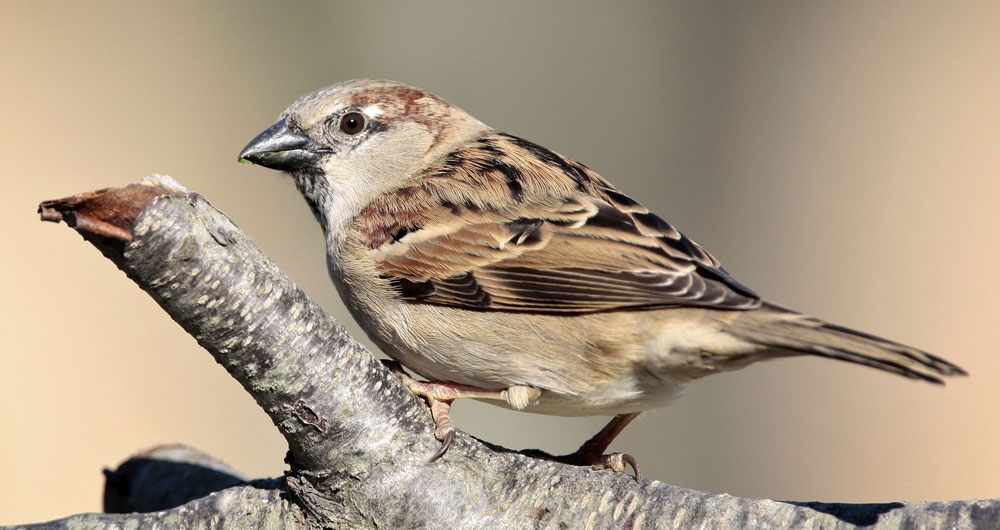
(500, 270)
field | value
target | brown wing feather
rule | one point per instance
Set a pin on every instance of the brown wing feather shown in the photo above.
(542, 234)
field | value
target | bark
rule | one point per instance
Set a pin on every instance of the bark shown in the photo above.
(358, 441)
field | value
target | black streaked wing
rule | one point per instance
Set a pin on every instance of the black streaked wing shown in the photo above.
(574, 245)
(550, 266)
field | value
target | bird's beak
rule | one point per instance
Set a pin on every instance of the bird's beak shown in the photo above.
(279, 148)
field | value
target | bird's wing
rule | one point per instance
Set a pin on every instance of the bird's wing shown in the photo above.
(507, 225)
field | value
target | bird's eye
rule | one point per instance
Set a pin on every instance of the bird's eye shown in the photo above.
(352, 122)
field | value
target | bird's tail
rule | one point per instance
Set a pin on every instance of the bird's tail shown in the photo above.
(789, 332)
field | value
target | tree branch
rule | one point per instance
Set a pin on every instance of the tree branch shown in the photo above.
(358, 441)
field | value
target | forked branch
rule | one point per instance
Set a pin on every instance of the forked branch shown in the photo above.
(359, 442)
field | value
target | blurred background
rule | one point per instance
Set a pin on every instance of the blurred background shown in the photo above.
(841, 159)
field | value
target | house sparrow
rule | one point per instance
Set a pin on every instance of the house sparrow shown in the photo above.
(503, 271)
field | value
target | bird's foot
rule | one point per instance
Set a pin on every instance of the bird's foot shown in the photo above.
(616, 462)
(439, 396)
(591, 453)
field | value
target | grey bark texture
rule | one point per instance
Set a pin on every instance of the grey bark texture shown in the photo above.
(358, 441)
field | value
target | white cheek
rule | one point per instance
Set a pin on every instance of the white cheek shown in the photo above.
(376, 166)
(347, 184)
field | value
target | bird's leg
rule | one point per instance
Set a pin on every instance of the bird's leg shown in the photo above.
(440, 394)
(591, 453)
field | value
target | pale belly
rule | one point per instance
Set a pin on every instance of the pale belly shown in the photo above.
(583, 366)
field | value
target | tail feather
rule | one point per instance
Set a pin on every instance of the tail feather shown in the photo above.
(782, 329)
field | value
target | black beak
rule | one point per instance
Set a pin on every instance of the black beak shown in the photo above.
(279, 148)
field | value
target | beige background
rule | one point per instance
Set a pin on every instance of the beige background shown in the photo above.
(840, 159)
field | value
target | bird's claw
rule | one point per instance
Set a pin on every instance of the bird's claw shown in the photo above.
(616, 462)
(439, 396)
(446, 439)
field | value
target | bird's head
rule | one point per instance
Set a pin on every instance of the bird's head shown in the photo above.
(347, 143)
